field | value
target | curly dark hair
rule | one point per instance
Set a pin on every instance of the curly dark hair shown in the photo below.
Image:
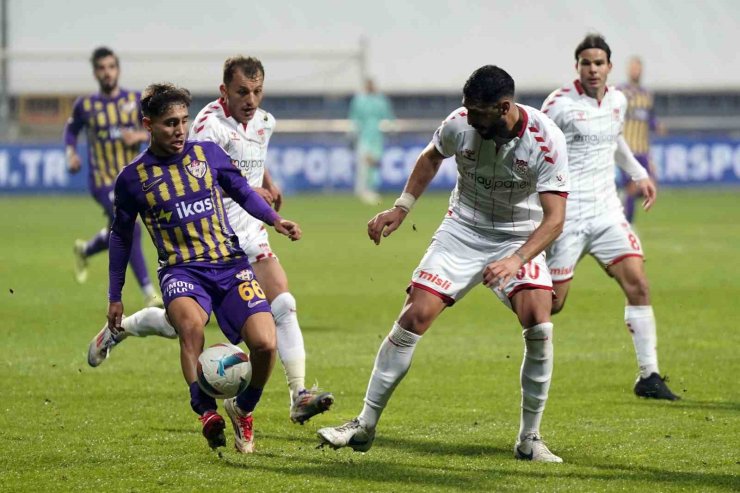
(157, 98)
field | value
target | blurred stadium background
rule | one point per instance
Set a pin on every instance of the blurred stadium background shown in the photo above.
(420, 53)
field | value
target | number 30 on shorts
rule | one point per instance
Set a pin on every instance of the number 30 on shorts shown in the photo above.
(248, 290)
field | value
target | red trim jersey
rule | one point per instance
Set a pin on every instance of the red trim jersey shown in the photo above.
(498, 186)
(591, 130)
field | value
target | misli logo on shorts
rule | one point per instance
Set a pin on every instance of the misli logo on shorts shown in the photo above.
(435, 279)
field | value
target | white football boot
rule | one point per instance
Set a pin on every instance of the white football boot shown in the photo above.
(101, 345)
(80, 261)
(351, 434)
(534, 449)
(243, 427)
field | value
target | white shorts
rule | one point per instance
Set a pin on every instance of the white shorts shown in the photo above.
(454, 262)
(610, 240)
(253, 238)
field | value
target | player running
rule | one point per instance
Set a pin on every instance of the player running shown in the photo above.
(507, 206)
(175, 185)
(591, 115)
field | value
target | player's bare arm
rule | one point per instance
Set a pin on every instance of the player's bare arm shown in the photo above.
(498, 273)
(272, 187)
(425, 169)
(627, 162)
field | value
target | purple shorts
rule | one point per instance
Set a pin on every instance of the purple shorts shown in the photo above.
(230, 290)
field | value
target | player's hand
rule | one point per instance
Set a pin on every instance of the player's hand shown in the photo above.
(385, 223)
(265, 194)
(648, 190)
(289, 229)
(497, 274)
(277, 196)
(74, 163)
(115, 315)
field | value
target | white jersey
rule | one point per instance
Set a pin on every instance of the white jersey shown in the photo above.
(591, 130)
(245, 144)
(497, 186)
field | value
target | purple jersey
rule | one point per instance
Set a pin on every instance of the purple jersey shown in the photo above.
(639, 120)
(179, 199)
(104, 117)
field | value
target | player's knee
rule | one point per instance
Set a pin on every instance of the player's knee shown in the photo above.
(284, 305)
(557, 306)
(638, 291)
(417, 319)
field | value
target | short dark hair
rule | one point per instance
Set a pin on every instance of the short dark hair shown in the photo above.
(157, 98)
(594, 41)
(102, 52)
(251, 67)
(488, 85)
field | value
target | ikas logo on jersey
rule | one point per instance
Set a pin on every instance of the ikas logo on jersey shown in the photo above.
(197, 168)
(245, 275)
(521, 166)
(560, 178)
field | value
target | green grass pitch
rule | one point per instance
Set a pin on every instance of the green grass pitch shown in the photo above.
(127, 426)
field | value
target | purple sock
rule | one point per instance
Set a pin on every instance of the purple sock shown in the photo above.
(98, 243)
(200, 401)
(137, 262)
(248, 399)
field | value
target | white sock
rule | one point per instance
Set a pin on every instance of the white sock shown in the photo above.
(640, 322)
(149, 322)
(391, 364)
(536, 374)
(148, 290)
(290, 342)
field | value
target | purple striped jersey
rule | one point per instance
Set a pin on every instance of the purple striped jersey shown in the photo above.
(103, 118)
(179, 199)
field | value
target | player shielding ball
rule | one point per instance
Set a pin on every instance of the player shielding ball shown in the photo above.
(176, 187)
(507, 207)
(238, 125)
(591, 115)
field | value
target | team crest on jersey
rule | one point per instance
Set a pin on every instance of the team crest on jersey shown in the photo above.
(521, 167)
(581, 115)
(615, 114)
(245, 275)
(234, 136)
(197, 168)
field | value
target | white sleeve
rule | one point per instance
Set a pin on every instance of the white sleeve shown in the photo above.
(626, 160)
(553, 107)
(211, 131)
(445, 139)
(552, 165)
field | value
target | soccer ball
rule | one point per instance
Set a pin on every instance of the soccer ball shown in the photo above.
(224, 371)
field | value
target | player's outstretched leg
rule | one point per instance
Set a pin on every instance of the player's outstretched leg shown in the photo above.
(145, 322)
(536, 374)
(305, 403)
(391, 365)
(80, 261)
